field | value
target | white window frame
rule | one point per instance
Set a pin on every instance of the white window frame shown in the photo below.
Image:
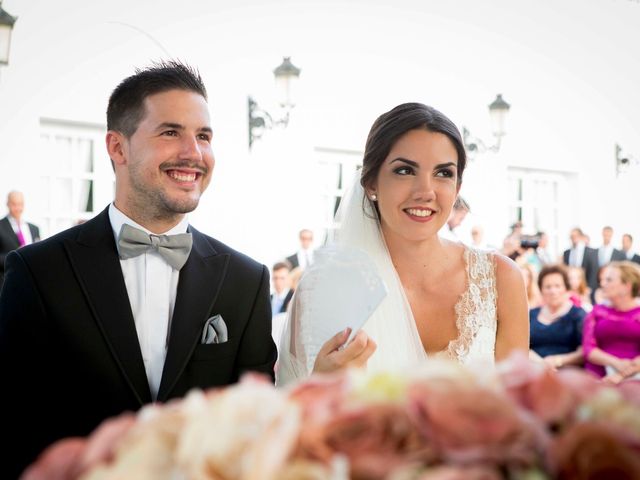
(61, 213)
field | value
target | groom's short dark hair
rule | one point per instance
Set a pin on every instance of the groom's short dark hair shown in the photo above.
(126, 104)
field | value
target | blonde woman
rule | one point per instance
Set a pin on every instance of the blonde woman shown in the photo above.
(611, 339)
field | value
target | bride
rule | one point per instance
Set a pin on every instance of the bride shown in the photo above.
(444, 299)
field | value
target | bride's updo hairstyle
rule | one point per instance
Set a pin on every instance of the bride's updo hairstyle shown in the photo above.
(390, 126)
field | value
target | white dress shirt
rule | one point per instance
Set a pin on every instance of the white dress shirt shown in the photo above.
(24, 226)
(604, 254)
(576, 255)
(277, 300)
(305, 258)
(152, 286)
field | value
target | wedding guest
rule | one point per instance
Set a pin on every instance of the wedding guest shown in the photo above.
(581, 255)
(14, 231)
(611, 338)
(579, 291)
(456, 217)
(556, 326)
(598, 295)
(531, 285)
(135, 305)
(282, 292)
(295, 275)
(477, 238)
(280, 298)
(542, 251)
(304, 256)
(607, 253)
(444, 299)
(627, 243)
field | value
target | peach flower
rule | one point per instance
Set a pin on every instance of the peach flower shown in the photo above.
(595, 450)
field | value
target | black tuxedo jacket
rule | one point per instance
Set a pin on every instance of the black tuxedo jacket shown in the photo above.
(589, 264)
(9, 241)
(618, 255)
(293, 260)
(635, 258)
(69, 352)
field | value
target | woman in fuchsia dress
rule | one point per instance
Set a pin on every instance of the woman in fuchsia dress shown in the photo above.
(611, 337)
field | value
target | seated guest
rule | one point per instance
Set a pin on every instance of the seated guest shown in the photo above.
(533, 293)
(556, 326)
(612, 332)
(579, 291)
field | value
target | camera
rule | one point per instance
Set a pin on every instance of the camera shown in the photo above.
(529, 241)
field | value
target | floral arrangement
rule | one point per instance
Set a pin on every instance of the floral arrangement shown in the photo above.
(519, 421)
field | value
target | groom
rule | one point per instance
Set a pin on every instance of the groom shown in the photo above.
(135, 305)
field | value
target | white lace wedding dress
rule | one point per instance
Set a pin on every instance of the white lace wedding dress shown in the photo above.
(392, 325)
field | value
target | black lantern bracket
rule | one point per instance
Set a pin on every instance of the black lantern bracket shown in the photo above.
(260, 120)
(498, 110)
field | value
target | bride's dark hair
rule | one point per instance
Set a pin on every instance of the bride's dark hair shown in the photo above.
(390, 126)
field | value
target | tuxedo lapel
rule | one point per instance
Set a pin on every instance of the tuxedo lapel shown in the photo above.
(8, 233)
(35, 232)
(94, 258)
(198, 287)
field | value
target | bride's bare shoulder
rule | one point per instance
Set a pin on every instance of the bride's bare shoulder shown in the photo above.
(508, 274)
(454, 250)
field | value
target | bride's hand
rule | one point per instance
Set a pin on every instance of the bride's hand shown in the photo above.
(331, 358)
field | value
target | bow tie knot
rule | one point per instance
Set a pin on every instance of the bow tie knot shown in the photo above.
(174, 249)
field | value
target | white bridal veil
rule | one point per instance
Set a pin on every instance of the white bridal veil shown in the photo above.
(391, 325)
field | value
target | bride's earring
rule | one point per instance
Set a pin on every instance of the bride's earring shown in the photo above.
(373, 197)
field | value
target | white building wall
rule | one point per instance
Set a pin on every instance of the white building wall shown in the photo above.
(573, 92)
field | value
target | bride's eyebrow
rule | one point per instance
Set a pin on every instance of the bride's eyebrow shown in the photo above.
(404, 160)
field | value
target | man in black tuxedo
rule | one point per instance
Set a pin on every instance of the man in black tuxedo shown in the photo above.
(580, 255)
(107, 316)
(606, 252)
(14, 231)
(627, 242)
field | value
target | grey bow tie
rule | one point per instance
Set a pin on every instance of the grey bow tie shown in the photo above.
(174, 249)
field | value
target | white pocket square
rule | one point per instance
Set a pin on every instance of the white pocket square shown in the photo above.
(214, 331)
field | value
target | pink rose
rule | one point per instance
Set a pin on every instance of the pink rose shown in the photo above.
(376, 439)
(630, 390)
(587, 451)
(58, 462)
(320, 396)
(461, 473)
(68, 458)
(551, 396)
(102, 443)
(474, 424)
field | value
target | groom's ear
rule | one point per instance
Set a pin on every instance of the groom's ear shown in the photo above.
(116, 147)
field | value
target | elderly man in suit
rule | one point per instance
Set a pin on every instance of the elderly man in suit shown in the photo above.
(135, 305)
(14, 231)
(303, 257)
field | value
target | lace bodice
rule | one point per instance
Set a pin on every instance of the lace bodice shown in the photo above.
(399, 343)
(476, 310)
(394, 329)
